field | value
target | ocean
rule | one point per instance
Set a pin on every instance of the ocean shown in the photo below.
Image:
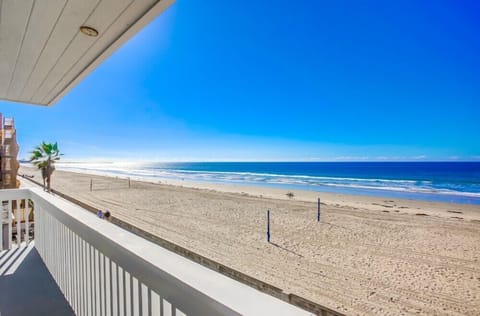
(457, 182)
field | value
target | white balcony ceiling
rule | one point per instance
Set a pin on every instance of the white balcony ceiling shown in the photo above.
(43, 54)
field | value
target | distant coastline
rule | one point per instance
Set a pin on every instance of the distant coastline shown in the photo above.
(397, 247)
(456, 182)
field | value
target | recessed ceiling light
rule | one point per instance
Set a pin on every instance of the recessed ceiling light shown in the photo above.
(89, 31)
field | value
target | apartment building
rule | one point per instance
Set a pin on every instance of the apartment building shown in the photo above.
(8, 154)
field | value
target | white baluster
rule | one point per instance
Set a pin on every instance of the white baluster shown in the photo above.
(136, 297)
(2, 211)
(108, 286)
(66, 265)
(76, 258)
(10, 220)
(97, 282)
(18, 218)
(146, 298)
(27, 224)
(122, 300)
(167, 308)
(88, 276)
(101, 269)
(128, 292)
(83, 279)
(155, 303)
(76, 283)
(114, 271)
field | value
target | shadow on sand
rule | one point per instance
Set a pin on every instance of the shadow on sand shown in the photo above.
(288, 250)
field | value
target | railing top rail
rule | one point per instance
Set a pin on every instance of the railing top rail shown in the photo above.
(14, 194)
(205, 289)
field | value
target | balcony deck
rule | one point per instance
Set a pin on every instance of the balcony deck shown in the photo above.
(27, 287)
(102, 269)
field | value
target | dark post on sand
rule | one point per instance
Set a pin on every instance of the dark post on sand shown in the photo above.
(318, 210)
(91, 184)
(129, 182)
(268, 225)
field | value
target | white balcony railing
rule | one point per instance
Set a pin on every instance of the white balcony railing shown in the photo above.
(104, 270)
(8, 121)
(15, 212)
(7, 134)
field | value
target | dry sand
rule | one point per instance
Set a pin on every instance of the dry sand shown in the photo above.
(367, 256)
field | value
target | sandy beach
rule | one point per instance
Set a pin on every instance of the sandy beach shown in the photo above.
(367, 255)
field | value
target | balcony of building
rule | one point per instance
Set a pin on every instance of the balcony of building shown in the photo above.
(6, 151)
(66, 260)
(8, 135)
(8, 122)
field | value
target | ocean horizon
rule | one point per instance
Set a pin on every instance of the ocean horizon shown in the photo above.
(455, 182)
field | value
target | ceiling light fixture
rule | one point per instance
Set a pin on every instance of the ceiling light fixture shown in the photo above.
(89, 31)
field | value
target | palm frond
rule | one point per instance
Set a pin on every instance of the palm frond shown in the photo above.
(45, 155)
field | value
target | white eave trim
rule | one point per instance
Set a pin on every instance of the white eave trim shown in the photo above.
(151, 14)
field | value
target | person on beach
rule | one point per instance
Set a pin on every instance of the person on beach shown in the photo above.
(100, 214)
(107, 215)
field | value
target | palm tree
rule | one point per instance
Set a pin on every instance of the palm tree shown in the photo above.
(44, 157)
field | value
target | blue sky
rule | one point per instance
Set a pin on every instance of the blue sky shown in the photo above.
(297, 80)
